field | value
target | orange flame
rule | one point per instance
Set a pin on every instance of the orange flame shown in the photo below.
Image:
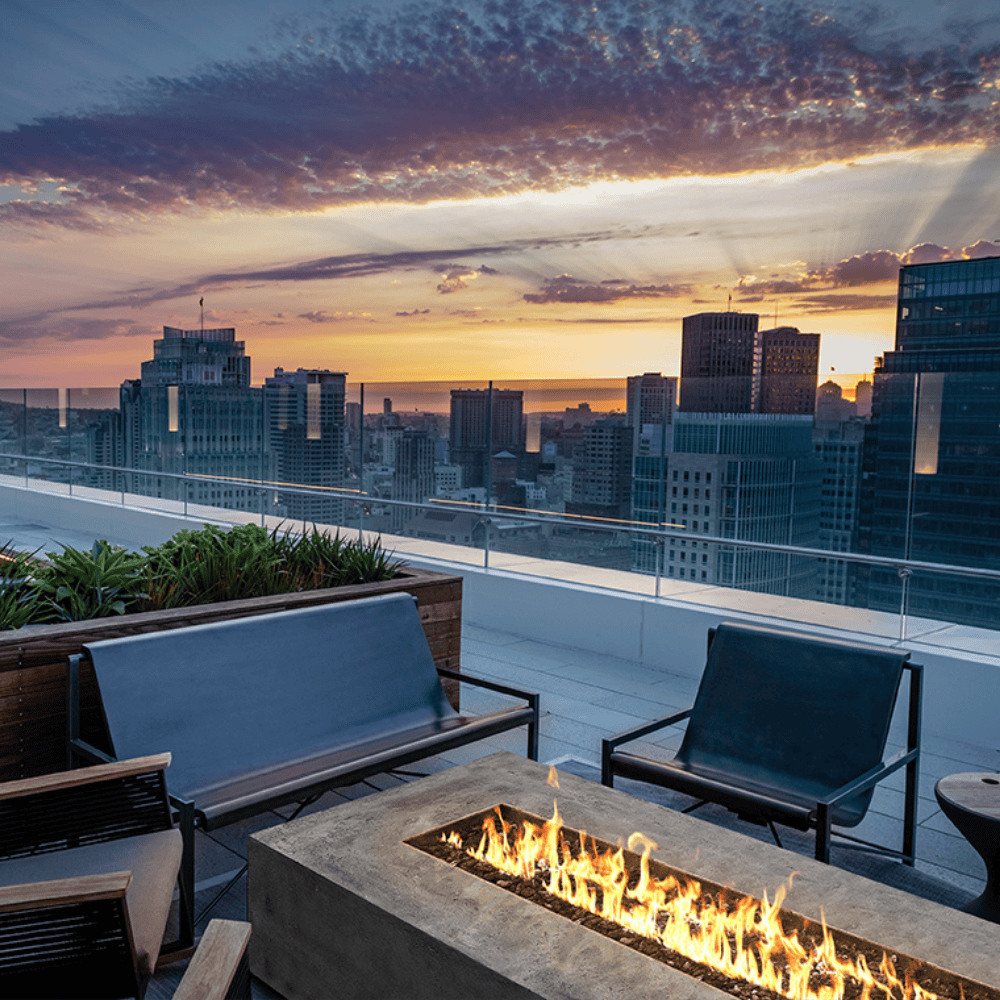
(744, 941)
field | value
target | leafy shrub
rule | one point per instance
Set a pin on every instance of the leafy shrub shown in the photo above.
(315, 560)
(107, 580)
(208, 565)
(19, 598)
(194, 567)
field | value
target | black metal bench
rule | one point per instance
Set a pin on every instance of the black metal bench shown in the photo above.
(787, 728)
(278, 708)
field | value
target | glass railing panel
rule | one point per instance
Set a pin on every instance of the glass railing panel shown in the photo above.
(47, 434)
(13, 427)
(971, 603)
(918, 483)
(931, 490)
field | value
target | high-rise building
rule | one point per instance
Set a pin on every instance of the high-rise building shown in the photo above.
(751, 477)
(718, 355)
(413, 473)
(483, 423)
(194, 413)
(931, 478)
(602, 482)
(831, 407)
(650, 405)
(838, 443)
(197, 357)
(786, 370)
(306, 440)
(729, 366)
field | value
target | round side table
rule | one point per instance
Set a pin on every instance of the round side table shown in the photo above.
(972, 803)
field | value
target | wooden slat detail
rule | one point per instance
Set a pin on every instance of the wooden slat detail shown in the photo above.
(83, 776)
(59, 892)
(216, 963)
(33, 663)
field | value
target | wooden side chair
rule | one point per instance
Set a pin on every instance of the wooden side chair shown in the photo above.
(89, 860)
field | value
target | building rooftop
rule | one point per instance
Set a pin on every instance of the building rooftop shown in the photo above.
(587, 694)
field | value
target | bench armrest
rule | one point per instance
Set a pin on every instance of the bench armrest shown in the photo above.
(613, 742)
(80, 777)
(219, 969)
(483, 683)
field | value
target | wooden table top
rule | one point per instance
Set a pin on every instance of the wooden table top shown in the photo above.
(978, 792)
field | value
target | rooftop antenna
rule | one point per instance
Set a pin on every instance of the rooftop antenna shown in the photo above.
(201, 304)
(729, 304)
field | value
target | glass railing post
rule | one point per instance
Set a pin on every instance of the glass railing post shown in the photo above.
(904, 576)
(485, 521)
(658, 552)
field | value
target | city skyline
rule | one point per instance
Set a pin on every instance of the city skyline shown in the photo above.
(428, 192)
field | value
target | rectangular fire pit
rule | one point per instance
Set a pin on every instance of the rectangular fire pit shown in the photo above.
(342, 907)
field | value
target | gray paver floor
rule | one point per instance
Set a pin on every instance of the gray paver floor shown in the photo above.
(586, 696)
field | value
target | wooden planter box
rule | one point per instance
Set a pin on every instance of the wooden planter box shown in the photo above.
(33, 661)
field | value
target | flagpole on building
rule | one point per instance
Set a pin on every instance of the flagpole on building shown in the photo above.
(201, 304)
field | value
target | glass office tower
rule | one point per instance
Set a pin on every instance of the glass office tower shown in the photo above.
(931, 480)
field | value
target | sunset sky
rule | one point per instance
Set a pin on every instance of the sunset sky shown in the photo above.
(515, 189)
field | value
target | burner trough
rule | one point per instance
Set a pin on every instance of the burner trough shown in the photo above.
(342, 907)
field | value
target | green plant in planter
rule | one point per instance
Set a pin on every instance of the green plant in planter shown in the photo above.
(317, 559)
(74, 585)
(209, 565)
(20, 601)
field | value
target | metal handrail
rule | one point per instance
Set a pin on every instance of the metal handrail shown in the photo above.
(487, 513)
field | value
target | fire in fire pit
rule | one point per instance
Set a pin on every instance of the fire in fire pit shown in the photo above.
(748, 947)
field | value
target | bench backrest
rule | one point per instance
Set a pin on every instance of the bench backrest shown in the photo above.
(782, 708)
(242, 695)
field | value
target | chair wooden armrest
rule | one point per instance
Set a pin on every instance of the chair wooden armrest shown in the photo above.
(78, 927)
(64, 892)
(218, 970)
(67, 809)
(79, 777)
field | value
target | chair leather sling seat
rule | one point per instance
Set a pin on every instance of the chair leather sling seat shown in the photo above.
(753, 794)
(154, 860)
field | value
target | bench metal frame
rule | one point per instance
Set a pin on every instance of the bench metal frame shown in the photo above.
(387, 758)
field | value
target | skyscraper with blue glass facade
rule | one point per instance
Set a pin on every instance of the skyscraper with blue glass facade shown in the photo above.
(931, 480)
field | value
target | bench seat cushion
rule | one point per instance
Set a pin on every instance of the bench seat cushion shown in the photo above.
(153, 859)
(223, 802)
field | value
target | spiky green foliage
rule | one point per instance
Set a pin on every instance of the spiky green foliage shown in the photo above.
(318, 559)
(74, 585)
(201, 567)
(209, 565)
(194, 567)
(20, 602)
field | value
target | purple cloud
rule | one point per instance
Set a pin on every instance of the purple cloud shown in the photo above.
(566, 288)
(861, 269)
(444, 102)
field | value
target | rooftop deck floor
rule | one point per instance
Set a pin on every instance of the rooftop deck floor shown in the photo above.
(586, 696)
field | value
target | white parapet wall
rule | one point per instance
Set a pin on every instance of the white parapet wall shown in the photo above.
(603, 611)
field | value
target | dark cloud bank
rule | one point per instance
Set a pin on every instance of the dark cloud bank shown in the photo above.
(861, 269)
(444, 102)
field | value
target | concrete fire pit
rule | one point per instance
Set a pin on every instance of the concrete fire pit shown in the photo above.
(341, 907)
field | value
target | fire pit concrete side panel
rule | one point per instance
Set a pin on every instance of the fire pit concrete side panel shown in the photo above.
(339, 903)
(316, 940)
